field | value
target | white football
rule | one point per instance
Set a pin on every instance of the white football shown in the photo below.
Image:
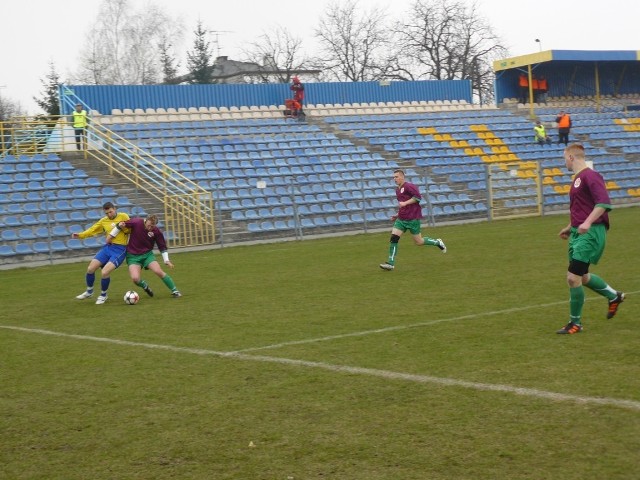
(131, 297)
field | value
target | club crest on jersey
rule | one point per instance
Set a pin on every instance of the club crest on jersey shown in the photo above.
(150, 234)
(577, 182)
(402, 190)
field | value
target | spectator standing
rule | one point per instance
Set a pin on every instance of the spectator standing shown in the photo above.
(523, 85)
(80, 122)
(589, 205)
(298, 92)
(543, 88)
(408, 218)
(564, 127)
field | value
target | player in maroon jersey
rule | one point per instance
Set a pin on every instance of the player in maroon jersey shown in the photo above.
(143, 236)
(589, 205)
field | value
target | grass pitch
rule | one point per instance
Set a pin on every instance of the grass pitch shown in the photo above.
(304, 360)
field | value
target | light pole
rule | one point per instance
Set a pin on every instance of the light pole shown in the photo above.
(539, 43)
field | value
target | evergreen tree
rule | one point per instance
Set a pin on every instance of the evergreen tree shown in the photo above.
(167, 61)
(199, 60)
(49, 102)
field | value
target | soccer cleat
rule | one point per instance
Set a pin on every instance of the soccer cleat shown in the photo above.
(148, 290)
(570, 328)
(176, 294)
(386, 266)
(441, 245)
(101, 299)
(85, 294)
(614, 304)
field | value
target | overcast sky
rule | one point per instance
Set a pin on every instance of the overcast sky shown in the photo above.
(36, 32)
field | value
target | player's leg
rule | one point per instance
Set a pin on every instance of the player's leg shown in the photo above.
(396, 232)
(165, 277)
(117, 254)
(578, 269)
(136, 263)
(418, 239)
(598, 285)
(593, 250)
(90, 276)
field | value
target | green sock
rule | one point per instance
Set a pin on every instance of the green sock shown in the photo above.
(393, 250)
(142, 284)
(168, 281)
(599, 286)
(430, 241)
(576, 301)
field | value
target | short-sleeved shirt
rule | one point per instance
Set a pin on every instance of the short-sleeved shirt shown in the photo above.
(405, 192)
(588, 190)
(142, 240)
(106, 225)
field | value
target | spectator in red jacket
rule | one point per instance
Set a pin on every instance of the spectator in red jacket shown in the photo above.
(298, 91)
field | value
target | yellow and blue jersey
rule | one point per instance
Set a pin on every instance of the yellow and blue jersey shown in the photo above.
(105, 225)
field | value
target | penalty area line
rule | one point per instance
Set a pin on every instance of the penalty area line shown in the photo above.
(370, 372)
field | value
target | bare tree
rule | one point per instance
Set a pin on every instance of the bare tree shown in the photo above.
(9, 109)
(279, 52)
(354, 43)
(122, 46)
(445, 40)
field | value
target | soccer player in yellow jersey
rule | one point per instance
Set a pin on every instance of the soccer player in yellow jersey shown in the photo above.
(110, 256)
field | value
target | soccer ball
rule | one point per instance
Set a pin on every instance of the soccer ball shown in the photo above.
(131, 297)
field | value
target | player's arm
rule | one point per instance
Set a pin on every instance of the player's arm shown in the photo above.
(120, 226)
(595, 214)
(165, 258)
(162, 246)
(94, 229)
(564, 233)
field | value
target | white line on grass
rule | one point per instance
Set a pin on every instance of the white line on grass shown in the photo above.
(372, 372)
(405, 327)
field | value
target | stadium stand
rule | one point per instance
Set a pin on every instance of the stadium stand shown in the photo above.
(272, 177)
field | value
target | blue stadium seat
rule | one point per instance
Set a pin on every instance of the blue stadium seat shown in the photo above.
(26, 234)
(7, 251)
(75, 244)
(58, 246)
(41, 247)
(12, 221)
(24, 249)
(9, 235)
(92, 242)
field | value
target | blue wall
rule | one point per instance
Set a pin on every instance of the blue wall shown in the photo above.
(104, 98)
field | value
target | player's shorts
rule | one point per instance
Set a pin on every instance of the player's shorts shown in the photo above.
(412, 225)
(112, 253)
(143, 259)
(588, 247)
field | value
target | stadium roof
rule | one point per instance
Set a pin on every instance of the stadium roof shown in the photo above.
(569, 56)
(572, 72)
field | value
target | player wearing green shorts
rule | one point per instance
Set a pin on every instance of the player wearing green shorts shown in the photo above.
(143, 236)
(408, 218)
(587, 235)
